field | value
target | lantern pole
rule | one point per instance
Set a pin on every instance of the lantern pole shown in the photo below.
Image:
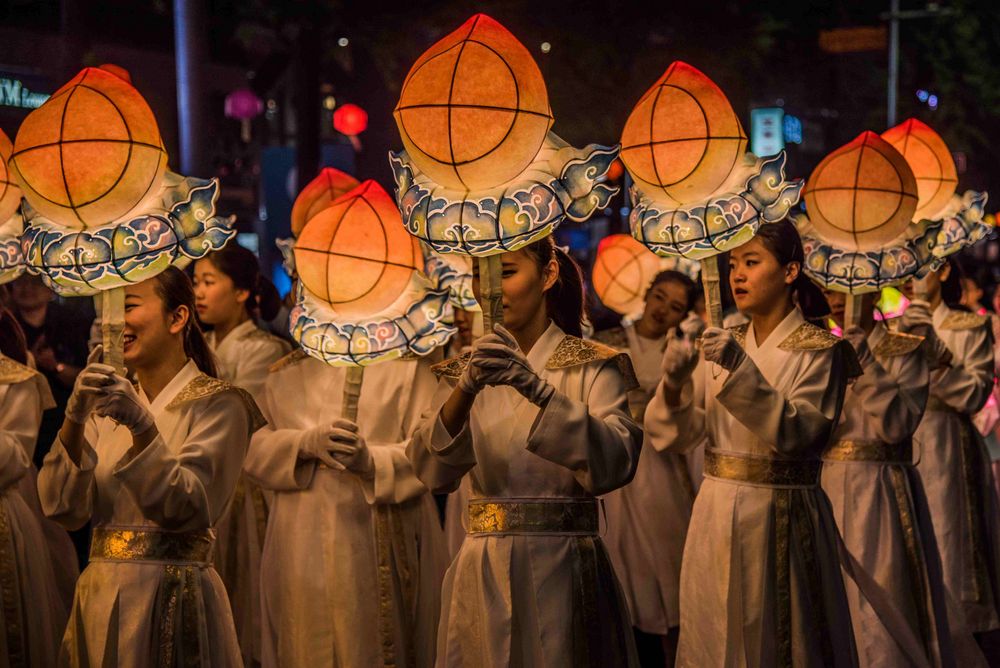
(711, 284)
(352, 392)
(490, 277)
(113, 328)
(853, 311)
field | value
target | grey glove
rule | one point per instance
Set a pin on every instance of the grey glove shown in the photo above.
(720, 346)
(503, 363)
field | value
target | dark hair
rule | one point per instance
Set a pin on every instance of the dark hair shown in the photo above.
(564, 301)
(782, 240)
(673, 276)
(241, 266)
(951, 289)
(12, 341)
(174, 287)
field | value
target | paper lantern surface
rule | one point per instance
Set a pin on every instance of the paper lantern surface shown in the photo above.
(474, 111)
(10, 193)
(92, 154)
(623, 271)
(931, 162)
(862, 196)
(683, 138)
(356, 255)
(319, 194)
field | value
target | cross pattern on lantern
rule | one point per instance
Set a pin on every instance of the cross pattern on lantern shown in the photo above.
(318, 194)
(101, 137)
(474, 111)
(623, 271)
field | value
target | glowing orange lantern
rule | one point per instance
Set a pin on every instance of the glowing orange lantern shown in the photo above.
(683, 137)
(92, 154)
(474, 111)
(356, 255)
(318, 194)
(931, 162)
(623, 271)
(862, 196)
(10, 194)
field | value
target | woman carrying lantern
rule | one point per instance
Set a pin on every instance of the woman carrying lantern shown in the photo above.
(352, 564)
(951, 457)
(227, 297)
(32, 611)
(761, 582)
(153, 467)
(538, 419)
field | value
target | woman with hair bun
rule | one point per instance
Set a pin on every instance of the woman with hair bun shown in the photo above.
(761, 581)
(229, 298)
(538, 419)
(153, 467)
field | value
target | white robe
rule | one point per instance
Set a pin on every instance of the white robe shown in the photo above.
(244, 356)
(955, 467)
(351, 569)
(181, 482)
(32, 614)
(882, 513)
(536, 599)
(648, 518)
(781, 402)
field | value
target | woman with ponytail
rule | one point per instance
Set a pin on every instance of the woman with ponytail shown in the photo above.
(761, 582)
(539, 420)
(229, 299)
(153, 466)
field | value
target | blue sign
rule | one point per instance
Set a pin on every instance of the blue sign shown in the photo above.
(792, 129)
(766, 133)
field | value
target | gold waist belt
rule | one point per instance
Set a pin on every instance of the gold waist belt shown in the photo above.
(529, 516)
(870, 451)
(759, 470)
(140, 544)
(935, 404)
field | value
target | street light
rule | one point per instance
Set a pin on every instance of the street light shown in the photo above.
(894, 16)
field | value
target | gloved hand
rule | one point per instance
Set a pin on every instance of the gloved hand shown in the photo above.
(679, 361)
(350, 449)
(719, 346)
(859, 340)
(471, 380)
(120, 402)
(87, 387)
(692, 326)
(316, 443)
(503, 363)
(917, 319)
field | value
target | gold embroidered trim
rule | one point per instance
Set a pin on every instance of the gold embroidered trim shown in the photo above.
(12, 372)
(897, 343)
(914, 555)
(809, 337)
(555, 516)
(452, 367)
(870, 451)
(782, 576)
(759, 470)
(205, 386)
(963, 320)
(12, 613)
(177, 641)
(395, 570)
(615, 338)
(120, 544)
(740, 333)
(976, 523)
(291, 358)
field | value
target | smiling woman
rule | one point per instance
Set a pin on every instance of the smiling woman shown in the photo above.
(152, 467)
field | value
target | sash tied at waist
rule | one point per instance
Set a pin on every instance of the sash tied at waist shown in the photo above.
(762, 470)
(870, 451)
(150, 544)
(533, 516)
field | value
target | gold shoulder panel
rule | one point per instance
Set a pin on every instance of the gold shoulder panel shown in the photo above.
(809, 337)
(740, 333)
(206, 386)
(615, 337)
(12, 372)
(451, 368)
(291, 358)
(963, 320)
(897, 343)
(573, 351)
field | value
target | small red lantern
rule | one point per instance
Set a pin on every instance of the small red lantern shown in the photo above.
(243, 105)
(350, 120)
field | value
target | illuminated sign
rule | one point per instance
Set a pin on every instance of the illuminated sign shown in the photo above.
(13, 93)
(766, 132)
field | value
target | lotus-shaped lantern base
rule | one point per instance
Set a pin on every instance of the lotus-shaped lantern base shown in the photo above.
(11, 256)
(962, 224)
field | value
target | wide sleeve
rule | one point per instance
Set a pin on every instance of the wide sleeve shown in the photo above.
(797, 421)
(188, 486)
(893, 394)
(965, 385)
(20, 415)
(67, 491)
(273, 457)
(394, 479)
(439, 459)
(596, 439)
(680, 428)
